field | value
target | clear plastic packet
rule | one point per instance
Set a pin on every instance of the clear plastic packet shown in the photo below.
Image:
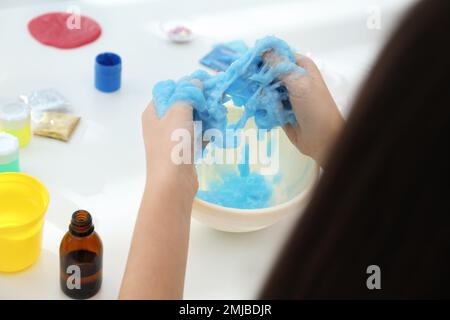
(46, 100)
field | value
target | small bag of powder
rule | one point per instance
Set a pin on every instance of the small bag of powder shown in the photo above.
(56, 125)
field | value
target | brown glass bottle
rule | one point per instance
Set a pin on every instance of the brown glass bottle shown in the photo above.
(81, 258)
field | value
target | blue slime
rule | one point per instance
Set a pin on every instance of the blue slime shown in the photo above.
(241, 192)
(251, 82)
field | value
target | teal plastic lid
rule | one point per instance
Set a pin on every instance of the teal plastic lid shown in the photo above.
(9, 148)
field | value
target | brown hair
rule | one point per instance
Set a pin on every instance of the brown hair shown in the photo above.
(382, 199)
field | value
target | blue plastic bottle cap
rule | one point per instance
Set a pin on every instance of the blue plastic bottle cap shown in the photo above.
(108, 69)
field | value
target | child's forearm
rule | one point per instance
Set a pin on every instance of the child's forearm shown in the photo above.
(157, 259)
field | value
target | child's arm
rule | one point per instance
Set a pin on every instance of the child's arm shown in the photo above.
(157, 259)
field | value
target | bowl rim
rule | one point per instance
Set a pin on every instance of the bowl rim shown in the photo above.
(43, 191)
(263, 211)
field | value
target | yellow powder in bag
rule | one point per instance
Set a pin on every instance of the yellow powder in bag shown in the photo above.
(56, 125)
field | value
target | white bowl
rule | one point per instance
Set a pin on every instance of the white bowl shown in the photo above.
(299, 174)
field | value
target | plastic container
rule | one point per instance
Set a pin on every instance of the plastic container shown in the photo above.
(108, 71)
(9, 153)
(297, 177)
(23, 203)
(301, 174)
(15, 119)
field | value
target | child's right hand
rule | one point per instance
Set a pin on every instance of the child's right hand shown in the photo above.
(319, 120)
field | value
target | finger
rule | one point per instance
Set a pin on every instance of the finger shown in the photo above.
(271, 58)
(181, 110)
(148, 118)
(150, 113)
(305, 62)
(299, 84)
(289, 79)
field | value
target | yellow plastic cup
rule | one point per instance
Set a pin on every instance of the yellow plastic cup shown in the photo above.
(23, 203)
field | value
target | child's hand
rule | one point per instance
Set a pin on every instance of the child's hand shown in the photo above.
(158, 254)
(319, 120)
(162, 168)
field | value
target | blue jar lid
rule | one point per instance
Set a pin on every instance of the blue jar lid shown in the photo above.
(108, 69)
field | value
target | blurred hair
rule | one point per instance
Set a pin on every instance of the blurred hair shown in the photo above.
(382, 199)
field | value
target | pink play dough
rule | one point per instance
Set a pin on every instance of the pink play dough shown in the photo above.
(51, 29)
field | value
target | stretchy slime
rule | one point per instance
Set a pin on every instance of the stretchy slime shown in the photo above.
(243, 190)
(250, 82)
(236, 191)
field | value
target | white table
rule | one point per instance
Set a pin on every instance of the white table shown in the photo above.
(102, 168)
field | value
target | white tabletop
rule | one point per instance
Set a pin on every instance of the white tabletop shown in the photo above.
(102, 168)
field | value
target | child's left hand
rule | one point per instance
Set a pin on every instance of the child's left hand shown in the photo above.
(162, 142)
